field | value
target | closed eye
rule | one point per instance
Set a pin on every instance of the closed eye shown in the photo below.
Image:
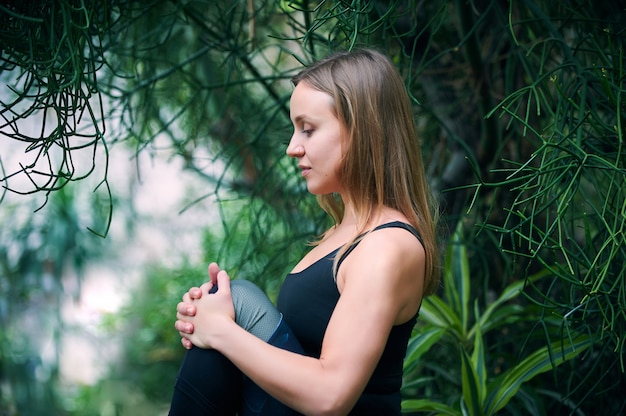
(308, 132)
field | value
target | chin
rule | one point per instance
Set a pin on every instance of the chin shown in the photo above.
(318, 190)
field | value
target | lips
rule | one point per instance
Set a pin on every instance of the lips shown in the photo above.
(305, 169)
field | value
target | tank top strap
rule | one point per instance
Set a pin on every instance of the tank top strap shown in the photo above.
(393, 224)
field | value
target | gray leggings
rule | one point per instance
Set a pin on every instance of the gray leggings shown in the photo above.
(209, 384)
(253, 310)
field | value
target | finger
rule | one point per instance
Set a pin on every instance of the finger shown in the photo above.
(214, 269)
(206, 287)
(194, 293)
(183, 327)
(186, 309)
(186, 343)
(223, 282)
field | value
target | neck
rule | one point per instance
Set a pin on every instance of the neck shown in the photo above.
(375, 218)
(351, 217)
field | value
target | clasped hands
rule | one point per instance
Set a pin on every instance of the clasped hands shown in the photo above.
(201, 316)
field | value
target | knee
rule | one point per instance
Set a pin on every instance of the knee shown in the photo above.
(242, 285)
(246, 293)
(254, 311)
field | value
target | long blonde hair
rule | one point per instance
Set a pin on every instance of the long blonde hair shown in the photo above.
(382, 164)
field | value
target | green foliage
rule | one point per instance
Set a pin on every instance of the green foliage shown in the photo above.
(447, 321)
(529, 92)
(42, 260)
(566, 201)
(152, 352)
(113, 397)
(51, 52)
(145, 327)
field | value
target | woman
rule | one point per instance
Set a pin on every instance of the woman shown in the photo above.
(353, 300)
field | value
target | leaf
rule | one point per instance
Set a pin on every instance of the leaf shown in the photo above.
(490, 317)
(421, 343)
(456, 278)
(540, 361)
(507, 314)
(424, 405)
(470, 386)
(436, 312)
(478, 361)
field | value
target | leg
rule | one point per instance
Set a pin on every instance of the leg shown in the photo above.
(209, 384)
(255, 401)
(256, 313)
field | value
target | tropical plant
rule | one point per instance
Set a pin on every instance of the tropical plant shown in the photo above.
(473, 388)
(564, 208)
(520, 106)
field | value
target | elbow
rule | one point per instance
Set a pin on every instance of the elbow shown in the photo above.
(332, 404)
(330, 411)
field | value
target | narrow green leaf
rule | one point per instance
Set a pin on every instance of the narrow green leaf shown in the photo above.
(469, 380)
(510, 292)
(456, 278)
(540, 361)
(424, 405)
(478, 360)
(421, 343)
(511, 315)
(464, 410)
(436, 312)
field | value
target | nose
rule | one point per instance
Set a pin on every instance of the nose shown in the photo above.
(295, 149)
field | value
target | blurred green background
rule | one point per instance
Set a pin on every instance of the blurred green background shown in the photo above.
(141, 140)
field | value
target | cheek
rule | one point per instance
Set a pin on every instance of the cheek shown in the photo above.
(338, 166)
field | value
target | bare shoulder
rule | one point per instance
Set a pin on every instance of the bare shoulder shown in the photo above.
(391, 263)
(391, 247)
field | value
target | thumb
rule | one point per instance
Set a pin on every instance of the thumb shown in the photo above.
(214, 269)
(223, 282)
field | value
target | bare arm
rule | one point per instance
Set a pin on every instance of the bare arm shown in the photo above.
(378, 290)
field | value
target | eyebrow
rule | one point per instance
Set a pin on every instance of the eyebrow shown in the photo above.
(302, 118)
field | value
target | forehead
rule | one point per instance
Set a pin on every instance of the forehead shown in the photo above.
(307, 102)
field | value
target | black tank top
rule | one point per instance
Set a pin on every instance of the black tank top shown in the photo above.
(307, 300)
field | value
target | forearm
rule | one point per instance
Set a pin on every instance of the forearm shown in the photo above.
(306, 384)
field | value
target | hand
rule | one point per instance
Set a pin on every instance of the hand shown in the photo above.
(187, 308)
(200, 311)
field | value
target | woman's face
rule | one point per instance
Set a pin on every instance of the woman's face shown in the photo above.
(317, 139)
